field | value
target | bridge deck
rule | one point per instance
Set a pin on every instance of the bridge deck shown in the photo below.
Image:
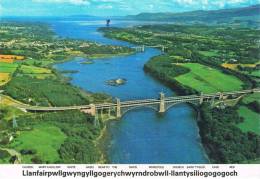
(131, 103)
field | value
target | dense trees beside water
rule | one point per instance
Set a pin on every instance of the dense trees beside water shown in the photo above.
(255, 106)
(223, 141)
(102, 49)
(166, 66)
(44, 92)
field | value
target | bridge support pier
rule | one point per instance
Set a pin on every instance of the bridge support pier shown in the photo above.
(162, 103)
(109, 112)
(143, 48)
(212, 101)
(93, 109)
(201, 98)
(163, 49)
(96, 121)
(101, 113)
(221, 96)
(118, 108)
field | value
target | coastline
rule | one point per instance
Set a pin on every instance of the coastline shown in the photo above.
(91, 57)
(99, 142)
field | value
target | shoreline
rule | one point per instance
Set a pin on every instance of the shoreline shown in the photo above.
(86, 57)
(99, 142)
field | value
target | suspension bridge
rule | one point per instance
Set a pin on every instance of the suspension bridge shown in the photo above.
(118, 108)
(142, 47)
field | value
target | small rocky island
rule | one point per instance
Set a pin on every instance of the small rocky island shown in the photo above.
(87, 62)
(116, 82)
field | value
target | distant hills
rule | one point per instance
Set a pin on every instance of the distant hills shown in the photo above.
(249, 14)
(85, 17)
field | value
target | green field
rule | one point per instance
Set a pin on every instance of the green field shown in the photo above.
(36, 72)
(46, 139)
(33, 69)
(208, 80)
(7, 67)
(256, 73)
(251, 120)
(44, 62)
(212, 53)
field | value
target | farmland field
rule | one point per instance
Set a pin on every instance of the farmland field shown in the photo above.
(251, 120)
(46, 139)
(33, 69)
(4, 77)
(212, 53)
(36, 72)
(208, 80)
(7, 60)
(234, 66)
(11, 57)
(7, 67)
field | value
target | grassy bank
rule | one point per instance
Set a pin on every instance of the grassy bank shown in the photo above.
(43, 139)
(251, 121)
(249, 111)
(208, 80)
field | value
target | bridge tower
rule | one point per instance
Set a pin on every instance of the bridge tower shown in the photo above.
(118, 108)
(143, 48)
(162, 103)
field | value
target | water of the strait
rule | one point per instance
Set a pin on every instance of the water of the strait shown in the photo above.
(141, 136)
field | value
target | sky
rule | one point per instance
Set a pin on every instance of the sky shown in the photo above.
(111, 7)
